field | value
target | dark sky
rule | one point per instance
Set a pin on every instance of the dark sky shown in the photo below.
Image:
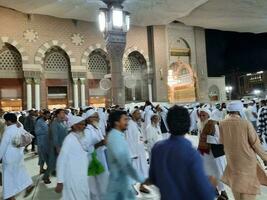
(227, 51)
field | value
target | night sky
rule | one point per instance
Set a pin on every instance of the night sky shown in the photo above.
(228, 51)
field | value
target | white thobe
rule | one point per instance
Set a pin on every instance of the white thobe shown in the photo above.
(137, 149)
(72, 169)
(217, 115)
(214, 166)
(98, 184)
(153, 135)
(148, 114)
(194, 119)
(15, 176)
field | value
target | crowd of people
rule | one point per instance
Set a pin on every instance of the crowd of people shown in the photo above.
(101, 154)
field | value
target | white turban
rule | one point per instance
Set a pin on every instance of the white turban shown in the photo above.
(75, 120)
(133, 110)
(89, 113)
(235, 106)
(206, 110)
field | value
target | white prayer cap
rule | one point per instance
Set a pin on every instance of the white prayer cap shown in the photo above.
(75, 120)
(89, 113)
(235, 106)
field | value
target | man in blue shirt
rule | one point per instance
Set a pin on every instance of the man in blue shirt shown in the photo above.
(176, 167)
(120, 164)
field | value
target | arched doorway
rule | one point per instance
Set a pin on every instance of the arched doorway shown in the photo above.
(57, 73)
(214, 93)
(98, 66)
(135, 66)
(181, 83)
(11, 81)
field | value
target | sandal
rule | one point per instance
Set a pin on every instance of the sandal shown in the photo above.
(28, 191)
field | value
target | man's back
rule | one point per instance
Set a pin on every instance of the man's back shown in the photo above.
(176, 168)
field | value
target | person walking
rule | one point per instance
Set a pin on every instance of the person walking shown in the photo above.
(243, 173)
(120, 164)
(176, 167)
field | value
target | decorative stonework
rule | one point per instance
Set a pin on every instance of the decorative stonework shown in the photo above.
(97, 63)
(89, 50)
(24, 56)
(132, 49)
(77, 39)
(56, 61)
(10, 60)
(40, 54)
(30, 35)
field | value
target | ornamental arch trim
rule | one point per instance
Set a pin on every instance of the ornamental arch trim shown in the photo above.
(89, 50)
(40, 54)
(19, 47)
(133, 49)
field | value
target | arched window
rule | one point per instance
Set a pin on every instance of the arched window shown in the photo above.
(56, 59)
(10, 58)
(98, 62)
(135, 63)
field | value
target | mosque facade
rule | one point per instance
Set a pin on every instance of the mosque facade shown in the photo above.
(48, 62)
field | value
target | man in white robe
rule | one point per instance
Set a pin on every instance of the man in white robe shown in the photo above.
(217, 113)
(102, 120)
(135, 140)
(162, 111)
(214, 167)
(98, 184)
(15, 177)
(153, 133)
(72, 164)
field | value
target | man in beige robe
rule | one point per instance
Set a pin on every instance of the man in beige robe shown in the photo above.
(243, 172)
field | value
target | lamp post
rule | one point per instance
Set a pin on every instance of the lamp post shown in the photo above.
(228, 90)
(114, 23)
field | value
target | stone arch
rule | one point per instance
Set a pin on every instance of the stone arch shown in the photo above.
(89, 50)
(56, 59)
(98, 62)
(40, 54)
(181, 82)
(19, 47)
(135, 63)
(214, 93)
(133, 49)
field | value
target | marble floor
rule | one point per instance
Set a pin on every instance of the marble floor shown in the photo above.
(46, 192)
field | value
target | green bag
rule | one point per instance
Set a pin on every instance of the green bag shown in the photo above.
(95, 167)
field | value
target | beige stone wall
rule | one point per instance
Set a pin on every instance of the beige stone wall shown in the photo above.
(56, 31)
(14, 23)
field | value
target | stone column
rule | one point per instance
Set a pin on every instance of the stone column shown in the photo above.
(82, 81)
(29, 93)
(75, 93)
(201, 62)
(115, 43)
(37, 93)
